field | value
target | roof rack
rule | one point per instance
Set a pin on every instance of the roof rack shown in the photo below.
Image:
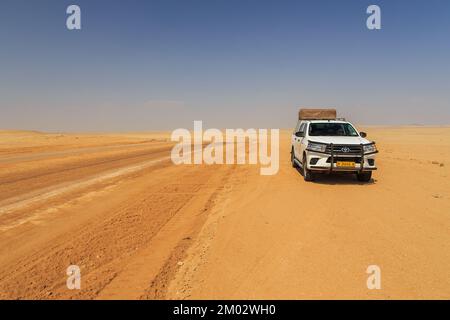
(337, 119)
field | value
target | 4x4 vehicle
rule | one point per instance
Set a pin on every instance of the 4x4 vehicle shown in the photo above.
(322, 143)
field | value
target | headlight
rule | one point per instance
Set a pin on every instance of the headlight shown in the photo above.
(370, 148)
(316, 147)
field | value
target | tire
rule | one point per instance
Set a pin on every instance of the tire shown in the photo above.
(307, 174)
(294, 164)
(364, 176)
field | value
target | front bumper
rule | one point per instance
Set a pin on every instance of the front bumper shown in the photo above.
(324, 162)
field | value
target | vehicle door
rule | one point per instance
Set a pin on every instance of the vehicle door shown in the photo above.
(294, 138)
(298, 137)
(304, 140)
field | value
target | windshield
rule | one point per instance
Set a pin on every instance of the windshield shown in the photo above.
(332, 129)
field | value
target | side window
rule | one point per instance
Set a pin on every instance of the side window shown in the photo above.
(302, 127)
(297, 127)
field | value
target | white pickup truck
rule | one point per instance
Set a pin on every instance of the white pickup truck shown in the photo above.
(321, 143)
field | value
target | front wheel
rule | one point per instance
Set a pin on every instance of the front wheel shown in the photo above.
(307, 174)
(364, 176)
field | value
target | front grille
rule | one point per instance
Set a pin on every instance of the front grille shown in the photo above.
(352, 159)
(344, 149)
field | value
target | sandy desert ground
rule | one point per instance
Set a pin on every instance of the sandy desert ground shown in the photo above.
(140, 227)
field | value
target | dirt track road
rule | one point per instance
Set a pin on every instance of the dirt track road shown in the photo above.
(142, 228)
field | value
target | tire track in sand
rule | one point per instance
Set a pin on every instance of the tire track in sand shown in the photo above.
(22, 201)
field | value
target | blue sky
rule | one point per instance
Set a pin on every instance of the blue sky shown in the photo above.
(151, 65)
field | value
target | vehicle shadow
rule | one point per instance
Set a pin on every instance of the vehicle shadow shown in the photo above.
(338, 179)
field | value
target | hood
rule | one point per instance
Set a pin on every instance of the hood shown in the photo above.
(339, 140)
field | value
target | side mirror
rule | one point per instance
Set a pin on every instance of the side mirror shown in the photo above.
(363, 134)
(299, 134)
